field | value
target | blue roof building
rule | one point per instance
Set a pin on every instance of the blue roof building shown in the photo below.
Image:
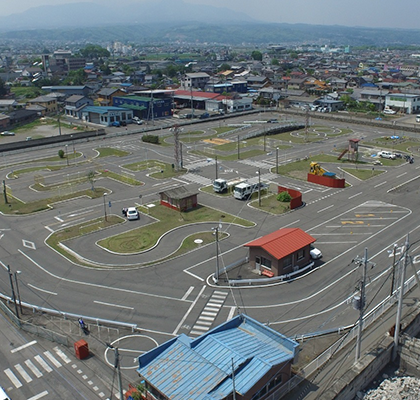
(106, 116)
(241, 353)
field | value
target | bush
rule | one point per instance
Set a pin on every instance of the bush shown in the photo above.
(61, 153)
(284, 197)
(150, 139)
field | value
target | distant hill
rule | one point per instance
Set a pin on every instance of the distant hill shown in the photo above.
(176, 21)
(86, 14)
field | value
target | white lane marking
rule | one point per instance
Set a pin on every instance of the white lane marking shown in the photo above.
(28, 244)
(231, 313)
(43, 364)
(355, 195)
(188, 292)
(113, 305)
(56, 363)
(61, 279)
(326, 208)
(23, 373)
(62, 355)
(380, 184)
(59, 219)
(24, 346)
(48, 228)
(201, 322)
(188, 311)
(33, 368)
(39, 395)
(399, 176)
(41, 290)
(13, 378)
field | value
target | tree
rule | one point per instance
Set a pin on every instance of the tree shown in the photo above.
(257, 55)
(284, 197)
(93, 51)
(61, 153)
(75, 77)
(3, 89)
(91, 179)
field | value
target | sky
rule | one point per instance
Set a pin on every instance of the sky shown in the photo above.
(368, 13)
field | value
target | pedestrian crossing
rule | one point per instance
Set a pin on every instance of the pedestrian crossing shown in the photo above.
(257, 164)
(194, 178)
(40, 365)
(209, 313)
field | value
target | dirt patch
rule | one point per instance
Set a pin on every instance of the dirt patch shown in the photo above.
(217, 141)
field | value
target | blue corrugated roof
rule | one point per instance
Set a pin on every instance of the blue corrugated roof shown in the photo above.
(201, 369)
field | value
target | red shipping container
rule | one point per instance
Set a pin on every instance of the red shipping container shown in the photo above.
(82, 349)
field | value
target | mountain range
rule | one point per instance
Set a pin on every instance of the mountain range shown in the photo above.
(170, 21)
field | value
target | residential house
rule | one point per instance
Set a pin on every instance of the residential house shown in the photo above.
(281, 252)
(106, 95)
(47, 102)
(75, 103)
(4, 121)
(241, 359)
(195, 80)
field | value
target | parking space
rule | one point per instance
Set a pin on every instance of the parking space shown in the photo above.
(337, 235)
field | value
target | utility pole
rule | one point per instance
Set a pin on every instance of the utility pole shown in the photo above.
(233, 381)
(362, 303)
(239, 155)
(217, 174)
(277, 160)
(259, 187)
(13, 291)
(5, 192)
(117, 367)
(400, 301)
(394, 252)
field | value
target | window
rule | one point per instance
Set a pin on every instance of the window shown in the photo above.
(300, 254)
(287, 262)
(266, 263)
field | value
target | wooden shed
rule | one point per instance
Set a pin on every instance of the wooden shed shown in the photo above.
(180, 199)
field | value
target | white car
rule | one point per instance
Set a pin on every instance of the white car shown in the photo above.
(387, 154)
(137, 120)
(315, 253)
(8, 133)
(132, 213)
(3, 394)
(389, 111)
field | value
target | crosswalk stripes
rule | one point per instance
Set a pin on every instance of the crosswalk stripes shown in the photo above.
(257, 164)
(40, 365)
(209, 313)
(197, 179)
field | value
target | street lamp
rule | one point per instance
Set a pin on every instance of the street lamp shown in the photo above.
(216, 233)
(105, 206)
(259, 187)
(277, 160)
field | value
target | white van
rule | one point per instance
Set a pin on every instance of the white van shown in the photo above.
(3, 394)
(418, 118)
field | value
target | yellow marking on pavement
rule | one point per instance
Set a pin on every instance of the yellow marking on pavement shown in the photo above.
(352, 222)
(364, 215)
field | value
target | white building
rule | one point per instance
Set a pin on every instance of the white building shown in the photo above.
(403, 102)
